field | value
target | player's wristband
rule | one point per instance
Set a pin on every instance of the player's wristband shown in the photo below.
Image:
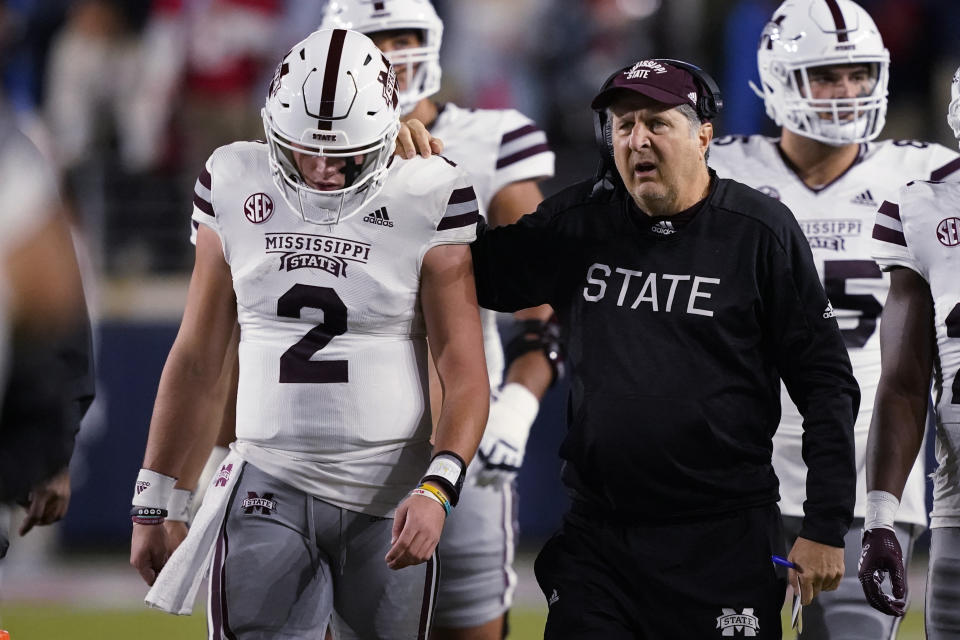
(447, 470)
(178, 506)
(427, 491)
(153, 489)
(881, 510)
(147, 515)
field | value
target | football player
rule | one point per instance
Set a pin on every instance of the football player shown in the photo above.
(823, 78)
(506, 154)
(331, 501)
(917, 239)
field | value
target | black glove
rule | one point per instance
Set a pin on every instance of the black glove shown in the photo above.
(881, 555)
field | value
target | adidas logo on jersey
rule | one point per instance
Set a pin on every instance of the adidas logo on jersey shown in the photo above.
(865, 198)
(663, 227)
(379, 217)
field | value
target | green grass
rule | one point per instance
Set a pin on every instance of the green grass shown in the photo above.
(58, 622)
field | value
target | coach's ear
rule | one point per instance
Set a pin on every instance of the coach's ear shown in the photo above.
(414, 139)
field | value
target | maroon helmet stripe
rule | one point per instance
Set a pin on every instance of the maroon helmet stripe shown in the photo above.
(890, 209)
(887, 234)
(330, 75)
(945, 170)
(838, 20)
(462, 220)
(521, 155)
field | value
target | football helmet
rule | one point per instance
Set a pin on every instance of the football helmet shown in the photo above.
(813, 33)
(953, 111)
(333, 95)
(422, 63)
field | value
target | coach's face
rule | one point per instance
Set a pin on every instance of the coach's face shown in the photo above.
(659, 153)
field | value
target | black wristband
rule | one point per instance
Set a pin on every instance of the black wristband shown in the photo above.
(537, 335)
(148, 512)
(440, 473)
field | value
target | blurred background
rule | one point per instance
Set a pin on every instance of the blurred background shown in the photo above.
(128, 98)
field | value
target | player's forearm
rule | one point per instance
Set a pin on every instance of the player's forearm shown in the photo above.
(466, 402)
(532, 371)
(896, 435)
(181, 413)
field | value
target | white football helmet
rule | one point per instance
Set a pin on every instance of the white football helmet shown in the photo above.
(813, 33)
(953, 111)
(333, 95)
(422, 63)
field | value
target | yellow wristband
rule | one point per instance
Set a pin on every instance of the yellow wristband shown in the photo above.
(438, 495)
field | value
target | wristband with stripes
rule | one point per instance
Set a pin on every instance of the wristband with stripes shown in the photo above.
(427, 491)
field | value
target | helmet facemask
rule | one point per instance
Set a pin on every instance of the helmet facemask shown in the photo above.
(953, 111)
(351, 116)
(836, 121)
(804, 35)
(421, 63)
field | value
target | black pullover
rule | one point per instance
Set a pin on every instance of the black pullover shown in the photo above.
(677, 337)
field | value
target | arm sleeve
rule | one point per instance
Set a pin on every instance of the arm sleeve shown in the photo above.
(524, 153)
(518, 266)
(816, 370)
(890, 249)
(203, 210)
(943, 163)
(461, 214)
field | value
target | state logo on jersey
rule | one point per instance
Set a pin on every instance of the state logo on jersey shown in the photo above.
(315, 251)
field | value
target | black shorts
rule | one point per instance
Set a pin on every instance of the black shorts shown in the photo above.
(711, 578)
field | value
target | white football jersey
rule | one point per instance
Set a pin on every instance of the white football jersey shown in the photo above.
(496, 147)
(838, 220)
(333, 387)
(922, 233)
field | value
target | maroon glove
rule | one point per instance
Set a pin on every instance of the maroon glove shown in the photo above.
(881, 555)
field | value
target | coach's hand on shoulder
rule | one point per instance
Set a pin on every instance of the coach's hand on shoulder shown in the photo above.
(148, 550)
(414, 138)
(821, 567)
(416, 531)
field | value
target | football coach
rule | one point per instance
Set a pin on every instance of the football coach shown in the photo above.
(685, 299)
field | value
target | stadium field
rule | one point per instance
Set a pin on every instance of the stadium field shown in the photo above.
(58, 622)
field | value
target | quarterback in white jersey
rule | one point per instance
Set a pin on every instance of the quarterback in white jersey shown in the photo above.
(827, 90)
(917, 239)
(332, 469)
(505, 154)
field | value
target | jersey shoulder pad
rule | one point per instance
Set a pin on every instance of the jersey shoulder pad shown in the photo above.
(917, 159)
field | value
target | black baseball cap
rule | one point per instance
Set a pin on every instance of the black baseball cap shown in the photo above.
(661, 81)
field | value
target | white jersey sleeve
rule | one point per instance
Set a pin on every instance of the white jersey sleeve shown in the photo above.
(922, 233)
(203, 211)
(28, 189)
(524, 153)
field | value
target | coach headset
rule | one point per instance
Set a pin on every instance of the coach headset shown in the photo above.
(709, 104)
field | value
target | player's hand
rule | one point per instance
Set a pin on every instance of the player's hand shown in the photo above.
(820, 568)
(48, 501)
(879, 556)
(148, 550)
(414, 138)
(176, 532)
(416, 531)
(500, 455)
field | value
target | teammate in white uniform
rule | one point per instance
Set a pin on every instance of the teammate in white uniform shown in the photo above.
(828, 92)
(333, 427)
(917, 239)
(505, 154)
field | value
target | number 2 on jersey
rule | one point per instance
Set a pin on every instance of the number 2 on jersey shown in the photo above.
(295, 363)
